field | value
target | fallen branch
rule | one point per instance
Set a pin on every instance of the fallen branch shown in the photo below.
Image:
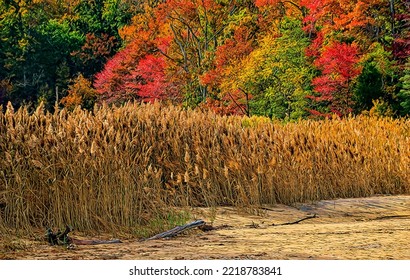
(94, 242)
(392, 217)
(177, 230)
(271, 209)
(297, 221)
(62, 238)
(253, 225)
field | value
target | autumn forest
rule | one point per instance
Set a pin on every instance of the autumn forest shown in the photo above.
(285, 60)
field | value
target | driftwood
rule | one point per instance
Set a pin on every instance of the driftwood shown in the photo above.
(62, 238)
(297, 221)
(177, 230)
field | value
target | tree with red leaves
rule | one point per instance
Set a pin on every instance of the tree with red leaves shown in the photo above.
(338, 66)
(126, 77)
(137, 71)
(109, 83)
(148, 80)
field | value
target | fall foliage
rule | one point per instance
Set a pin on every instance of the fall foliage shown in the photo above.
(282, 59)
(338, 66)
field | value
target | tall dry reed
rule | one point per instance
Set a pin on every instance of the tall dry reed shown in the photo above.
(121, 168)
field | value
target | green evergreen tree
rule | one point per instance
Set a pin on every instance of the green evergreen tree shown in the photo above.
(404, 94)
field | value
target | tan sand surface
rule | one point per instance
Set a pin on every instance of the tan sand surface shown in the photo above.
(357, 228)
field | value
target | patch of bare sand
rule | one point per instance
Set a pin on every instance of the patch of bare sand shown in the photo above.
(361, 228)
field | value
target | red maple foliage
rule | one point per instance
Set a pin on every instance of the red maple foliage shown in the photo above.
(109, 83)
(338, 64)
(148, 80)
(313, 50)
(314, 7)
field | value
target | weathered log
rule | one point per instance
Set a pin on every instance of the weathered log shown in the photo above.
(177, 230)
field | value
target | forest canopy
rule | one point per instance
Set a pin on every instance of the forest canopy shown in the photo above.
(281, 59)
